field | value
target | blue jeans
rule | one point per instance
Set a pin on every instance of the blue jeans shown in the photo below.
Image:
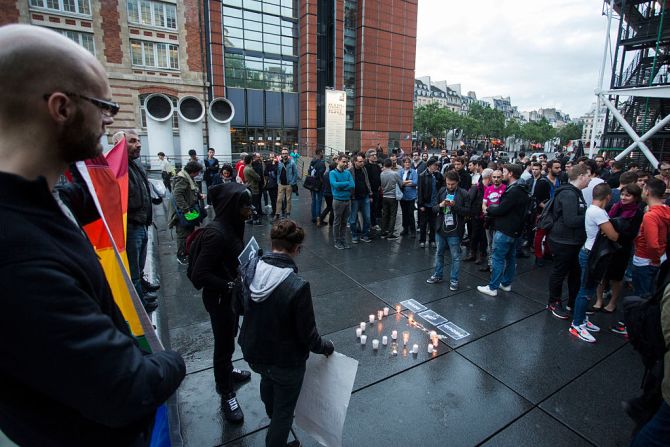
(136, 249)
(454, 243)
(582, 301)
(362, 206)
(643, 280)
(655, 433)
(503, 260)
(317, 201)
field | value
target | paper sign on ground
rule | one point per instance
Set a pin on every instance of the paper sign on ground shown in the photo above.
(413, 305)
(453, 331)
(324, 398)
(432, 317)
(249, 251)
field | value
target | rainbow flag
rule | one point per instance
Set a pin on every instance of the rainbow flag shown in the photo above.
(107, 179)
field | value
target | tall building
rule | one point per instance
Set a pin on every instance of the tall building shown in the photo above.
(272, 59)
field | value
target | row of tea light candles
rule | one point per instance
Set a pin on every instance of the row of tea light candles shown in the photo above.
(432, 346)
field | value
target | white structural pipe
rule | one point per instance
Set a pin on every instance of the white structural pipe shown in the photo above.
(601, 75)
(159, 111)
(221, 112)
(191, 112)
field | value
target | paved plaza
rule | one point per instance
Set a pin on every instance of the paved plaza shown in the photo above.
(518, 378)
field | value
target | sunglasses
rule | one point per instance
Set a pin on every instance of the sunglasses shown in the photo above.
(108, 108)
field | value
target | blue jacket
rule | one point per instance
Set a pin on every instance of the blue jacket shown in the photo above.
(291, 172)
(409, 192)
(341, 184)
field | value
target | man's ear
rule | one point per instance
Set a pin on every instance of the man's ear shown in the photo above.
(60, 108)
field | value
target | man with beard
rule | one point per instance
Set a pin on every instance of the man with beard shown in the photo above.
(215, 269)
(140, 216)
(73, 374)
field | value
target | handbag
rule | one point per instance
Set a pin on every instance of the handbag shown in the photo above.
(311, 183)
(398, 193)
(192, 217)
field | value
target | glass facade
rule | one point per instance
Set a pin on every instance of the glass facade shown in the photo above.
(350, 30)
(260, 40)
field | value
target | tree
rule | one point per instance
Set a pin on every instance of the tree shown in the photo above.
(571, 131)
(434, 121)
(491, 122)
(538, 131)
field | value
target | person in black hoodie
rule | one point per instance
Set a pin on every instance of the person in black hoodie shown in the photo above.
(508, 226)
(215, 269)
(566, 238)
(430, 183)
(279, 331)
(374, 171)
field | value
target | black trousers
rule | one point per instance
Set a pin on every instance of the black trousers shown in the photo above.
(328, 210)
(566, 262)
(426, 222)
(280, 388)
(375, 209)
(408, 222)
(273, 199)
(478, 242)
(256, 200)
(224, 327)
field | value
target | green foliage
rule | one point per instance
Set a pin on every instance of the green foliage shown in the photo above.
(432, 120)
(538, 131)
(571, 131)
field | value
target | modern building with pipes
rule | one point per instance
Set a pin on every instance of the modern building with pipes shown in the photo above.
(244, 75)
(637, 101)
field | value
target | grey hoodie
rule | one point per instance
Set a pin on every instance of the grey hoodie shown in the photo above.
(266, 280)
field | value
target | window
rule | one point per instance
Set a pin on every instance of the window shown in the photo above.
(83, 39)
(82, 7)
(151, 13)
(154, 54)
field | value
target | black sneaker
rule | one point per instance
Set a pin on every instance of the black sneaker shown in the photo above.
(150, 306)
(183, 260)
(392, 237)
(231, 409)
(148, 287)
(556, 309)
(240, 375)
(619, 328)
(150, 297)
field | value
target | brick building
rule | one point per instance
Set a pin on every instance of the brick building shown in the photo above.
(273, 59)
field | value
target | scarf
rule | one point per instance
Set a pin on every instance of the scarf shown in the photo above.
(624, 211)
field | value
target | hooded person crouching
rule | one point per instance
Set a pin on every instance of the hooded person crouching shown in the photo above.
(279, 331)
(215, 269)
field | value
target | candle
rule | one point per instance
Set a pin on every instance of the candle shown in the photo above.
(385, 340)
(362, 326)
(435, 341)
(411, 319)
(397, 308)
(433, 335)
(415, 349)
(372, 318)
(375, 344)
(380, 315)
(386, 311)
(358, 332)
(405, 337)
(394, 335)
(364, 338)
(430, 348)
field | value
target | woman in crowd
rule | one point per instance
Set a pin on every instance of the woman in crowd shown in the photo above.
(227, 174)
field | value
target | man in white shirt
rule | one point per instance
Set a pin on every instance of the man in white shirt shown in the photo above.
(595, 180)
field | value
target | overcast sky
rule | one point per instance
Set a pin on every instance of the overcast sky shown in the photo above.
(541, 53)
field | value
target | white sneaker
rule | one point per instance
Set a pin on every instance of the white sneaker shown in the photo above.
(582, 333)
(590, 326)
(506, 288)
(487, 291)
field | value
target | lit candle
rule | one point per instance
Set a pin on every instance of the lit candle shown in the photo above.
(435, 341)
(395, 352)
(375, 344)
(394, 335)
(380, 315)
(397, 308)
(372, 318)
(364, 338)
(433, 334)
(430, 348)
(386, 311)
(358, 332)
(415, 349)
(411, 319)
(405, 337)
(362, 326)
(385, 340)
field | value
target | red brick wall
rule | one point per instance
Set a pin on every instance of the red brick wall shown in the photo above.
(9, 13)
(192, 39)
(216, 48)
(111, 29)
(307, 85)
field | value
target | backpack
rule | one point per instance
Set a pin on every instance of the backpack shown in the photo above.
(193, 246)
(547, 218)
(643, 321)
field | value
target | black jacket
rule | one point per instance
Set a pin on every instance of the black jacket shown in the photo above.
(279, 329)
(465, 179)
(222, 242)
(318, 166)
(425, 187)
(139, 196)
(511, 212)
(374, 175)
(476, 197)
(71, 374)
(460, 211)
(569, 214)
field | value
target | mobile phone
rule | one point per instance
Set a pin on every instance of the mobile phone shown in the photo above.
(450, 197)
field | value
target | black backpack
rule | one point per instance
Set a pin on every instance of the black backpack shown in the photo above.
(547, 218)
(643, 321)
(193, 246)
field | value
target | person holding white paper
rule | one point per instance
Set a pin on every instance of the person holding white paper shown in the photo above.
(279, 330)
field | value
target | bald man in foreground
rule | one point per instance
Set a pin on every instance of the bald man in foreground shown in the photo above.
(71, 373)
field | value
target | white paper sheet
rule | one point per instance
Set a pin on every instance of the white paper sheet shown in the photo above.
(324, 398)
